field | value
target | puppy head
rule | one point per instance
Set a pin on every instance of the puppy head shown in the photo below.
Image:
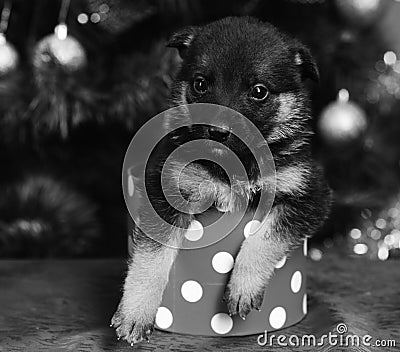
(250, 67)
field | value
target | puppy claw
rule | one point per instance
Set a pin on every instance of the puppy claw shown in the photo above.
(134, 329)
(257, 300)
(116, 319)
(241, 302)
(244, 308)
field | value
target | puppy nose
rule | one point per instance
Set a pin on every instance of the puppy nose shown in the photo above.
(218, 134)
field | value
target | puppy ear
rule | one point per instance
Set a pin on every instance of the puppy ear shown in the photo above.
(304, 60)
(182, 39)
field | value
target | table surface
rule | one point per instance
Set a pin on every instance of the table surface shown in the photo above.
(66, 305)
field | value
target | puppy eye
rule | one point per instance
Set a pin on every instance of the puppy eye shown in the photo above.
(259, 92)
(200, 85)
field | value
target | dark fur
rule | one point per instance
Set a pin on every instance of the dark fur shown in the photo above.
(233, 54)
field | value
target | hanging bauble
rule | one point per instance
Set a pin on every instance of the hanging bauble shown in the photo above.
(360, 12)
(60, 49)
(342, 121)
(8, 56)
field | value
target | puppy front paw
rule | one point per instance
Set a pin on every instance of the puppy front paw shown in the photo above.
(132, 326)
(242, 297)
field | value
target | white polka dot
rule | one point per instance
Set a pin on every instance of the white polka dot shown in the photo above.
(281, 263)
(131, 186)
(222, 262)
(221, 323)
(191, 291)
(305, 303)
(305, 247)
(164, 318)
(295, 282)
(277, 318)
(195, 231)
(251, 227)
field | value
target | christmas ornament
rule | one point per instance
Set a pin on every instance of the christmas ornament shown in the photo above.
(361, 12)
(60, 48)
(8, 54)
(57, 58)
(342, 121)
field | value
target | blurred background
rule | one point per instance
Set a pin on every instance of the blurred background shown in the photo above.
(79, 77)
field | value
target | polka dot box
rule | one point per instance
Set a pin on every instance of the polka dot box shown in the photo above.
(192, 302)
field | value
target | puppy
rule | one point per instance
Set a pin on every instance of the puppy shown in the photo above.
(250, 67)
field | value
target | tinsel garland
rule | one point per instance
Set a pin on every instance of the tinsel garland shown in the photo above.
(40, 216)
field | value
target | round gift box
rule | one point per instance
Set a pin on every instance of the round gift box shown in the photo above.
(192, 301)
